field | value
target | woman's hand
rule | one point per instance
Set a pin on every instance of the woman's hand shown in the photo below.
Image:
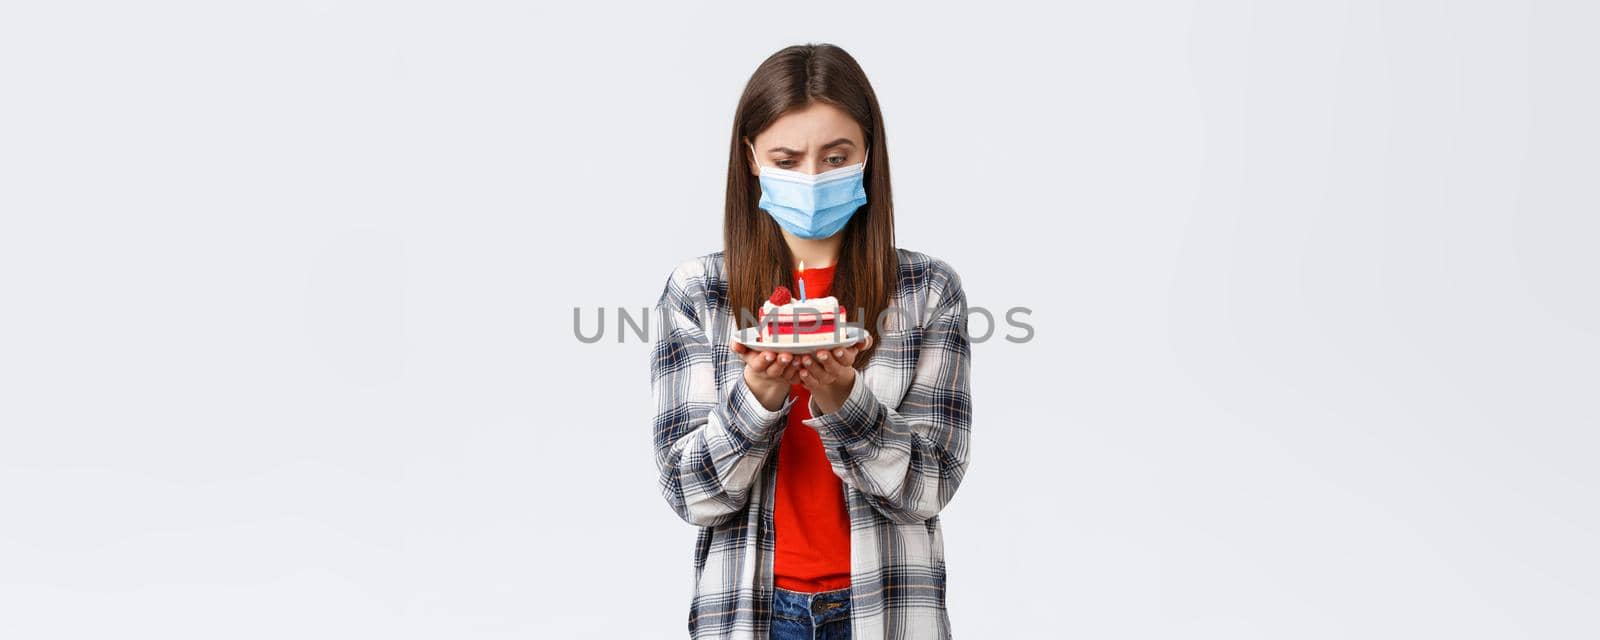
(829, 374)
(769, 375)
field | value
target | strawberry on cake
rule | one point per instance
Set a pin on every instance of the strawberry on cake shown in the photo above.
(799, 321)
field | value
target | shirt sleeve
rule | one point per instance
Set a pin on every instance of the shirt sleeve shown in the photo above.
(709, 447)
(908, 459)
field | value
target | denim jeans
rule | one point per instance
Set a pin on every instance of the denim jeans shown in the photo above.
(823, 615)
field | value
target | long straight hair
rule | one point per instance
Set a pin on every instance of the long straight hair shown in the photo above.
(756, 257)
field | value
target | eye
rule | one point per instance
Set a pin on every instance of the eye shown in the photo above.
(785, 163)
(835, 160)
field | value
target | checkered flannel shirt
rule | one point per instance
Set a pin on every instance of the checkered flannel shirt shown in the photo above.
(900, 444)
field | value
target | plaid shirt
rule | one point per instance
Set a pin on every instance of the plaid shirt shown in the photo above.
(899, 443)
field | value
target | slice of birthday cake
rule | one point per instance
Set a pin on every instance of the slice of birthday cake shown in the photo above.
(784, 319)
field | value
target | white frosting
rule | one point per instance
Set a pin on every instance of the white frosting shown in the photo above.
(817, 305)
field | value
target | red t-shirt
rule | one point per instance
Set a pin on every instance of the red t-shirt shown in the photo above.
(810, 516)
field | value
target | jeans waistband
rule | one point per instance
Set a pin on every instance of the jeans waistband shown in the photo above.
(819, 607)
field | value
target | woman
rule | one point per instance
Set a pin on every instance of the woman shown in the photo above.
(816, 479)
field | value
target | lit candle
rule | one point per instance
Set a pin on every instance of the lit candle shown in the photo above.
(802, 280)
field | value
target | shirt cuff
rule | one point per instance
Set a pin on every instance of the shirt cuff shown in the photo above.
(750, 417)
(853, 422)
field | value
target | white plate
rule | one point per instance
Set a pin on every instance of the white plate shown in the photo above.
(747, 337)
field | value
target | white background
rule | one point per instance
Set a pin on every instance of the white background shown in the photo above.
(286, 292)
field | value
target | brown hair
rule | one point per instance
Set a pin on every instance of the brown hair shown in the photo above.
(756, 258)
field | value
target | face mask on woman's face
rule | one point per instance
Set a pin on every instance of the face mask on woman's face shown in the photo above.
(812, 206)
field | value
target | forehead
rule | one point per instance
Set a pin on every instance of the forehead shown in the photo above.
(814, 125)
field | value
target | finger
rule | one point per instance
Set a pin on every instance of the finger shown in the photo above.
(825, 376)
(834, 367)
(818, 374)
(820, 359)
(830, 363)
(841, 366)
(851, 357)
(739, 348)
(775, 369)
(790, 371)
(848, 354)
(845, 356)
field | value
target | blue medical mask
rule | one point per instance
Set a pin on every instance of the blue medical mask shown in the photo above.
(812, 206)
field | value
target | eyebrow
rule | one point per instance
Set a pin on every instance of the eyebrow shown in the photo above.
(830, 145)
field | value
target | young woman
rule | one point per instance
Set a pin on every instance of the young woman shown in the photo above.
(816, 479)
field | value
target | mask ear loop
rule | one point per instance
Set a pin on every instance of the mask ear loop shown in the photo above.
(754, 157)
